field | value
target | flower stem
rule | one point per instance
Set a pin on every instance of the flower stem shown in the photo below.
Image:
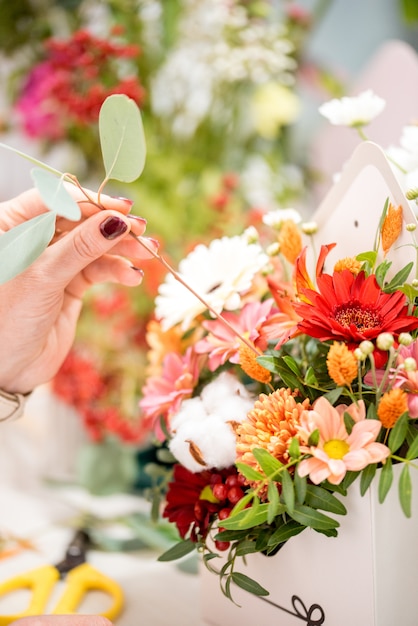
(177, 276)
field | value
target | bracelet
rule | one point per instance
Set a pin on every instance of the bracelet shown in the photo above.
(11, 405)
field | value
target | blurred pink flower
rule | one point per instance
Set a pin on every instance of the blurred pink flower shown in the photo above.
(223, 345)
(337, 451)
(164, 394)
(408, 380)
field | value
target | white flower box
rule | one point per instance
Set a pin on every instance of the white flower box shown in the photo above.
(367, 576)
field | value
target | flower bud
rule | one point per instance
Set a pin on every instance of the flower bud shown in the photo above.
(250, 234)
(366, 347)
(309, 228)
(385, 341)
(412, 194)
(405, 339)
(411, 227)
(359, 354)
(273, 249)
(410, 365)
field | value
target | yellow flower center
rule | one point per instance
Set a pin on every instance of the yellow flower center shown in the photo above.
(336, 448)
(354, 313)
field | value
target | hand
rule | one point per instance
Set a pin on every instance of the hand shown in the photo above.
(62, 620)
(40, 307)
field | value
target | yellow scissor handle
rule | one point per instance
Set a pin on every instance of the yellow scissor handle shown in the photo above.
(80, 581)
(41, 581)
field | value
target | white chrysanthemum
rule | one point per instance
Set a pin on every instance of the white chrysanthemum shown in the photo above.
(203, 432)
(355, 111)
(219, 273)
(276, 218)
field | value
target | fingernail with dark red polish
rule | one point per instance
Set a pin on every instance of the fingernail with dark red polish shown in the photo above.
(125, 200)
(113, 227)
(137, 218)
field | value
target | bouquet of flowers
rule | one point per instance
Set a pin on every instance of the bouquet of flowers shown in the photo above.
(277, 382)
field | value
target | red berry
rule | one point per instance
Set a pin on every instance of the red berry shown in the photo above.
(220, 491)
(224, 513)
(235, 494)
(222, 545)
(231, 480)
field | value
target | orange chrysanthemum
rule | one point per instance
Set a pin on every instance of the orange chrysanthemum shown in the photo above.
(271, 425)
(348, 263)
(248, 362)
(290, 241)
(392, 405)
(391, 227)
(342, 364)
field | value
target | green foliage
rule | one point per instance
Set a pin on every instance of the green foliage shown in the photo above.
(122, 138)
(22, 245)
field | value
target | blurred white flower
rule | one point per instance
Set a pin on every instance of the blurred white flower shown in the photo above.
(276, 218)
(203, 429)
(354, 111)
(219, 273)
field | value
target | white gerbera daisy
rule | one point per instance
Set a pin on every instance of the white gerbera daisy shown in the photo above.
(356, 111)
(219, 273)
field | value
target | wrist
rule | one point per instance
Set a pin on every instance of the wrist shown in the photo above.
(11, 405)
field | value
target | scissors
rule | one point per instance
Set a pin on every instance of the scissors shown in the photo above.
(80, 578)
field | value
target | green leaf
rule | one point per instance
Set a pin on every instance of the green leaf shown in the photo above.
(301, 484)
(319, 498)
(367, 257)
(247, 583)
(292, 365)
(399, 279)
(289, 529)
(248, 518)
(348, 422)
(268, 463)
(294, 448)
(22, 245)
(381, 271)
(54, 194)
(288, 491)
(385, 482)
(310, 377)
(314, 519)
(398, 432)
(405, 491)
(413, 448)
(314, 438)
(249, 472)
(122, 138)
(244, 547)
(333, 395)
(177, 551)
(366, 477)
(274, 503)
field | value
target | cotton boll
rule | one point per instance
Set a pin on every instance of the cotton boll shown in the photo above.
(204, 444)
(191, 409)
(222, 388)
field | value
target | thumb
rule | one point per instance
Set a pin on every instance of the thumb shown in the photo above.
(87, 242)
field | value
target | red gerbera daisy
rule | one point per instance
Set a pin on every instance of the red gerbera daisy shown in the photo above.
(351, 309)
(190, 503)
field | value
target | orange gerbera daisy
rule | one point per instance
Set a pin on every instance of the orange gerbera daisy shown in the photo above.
(271, 425)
